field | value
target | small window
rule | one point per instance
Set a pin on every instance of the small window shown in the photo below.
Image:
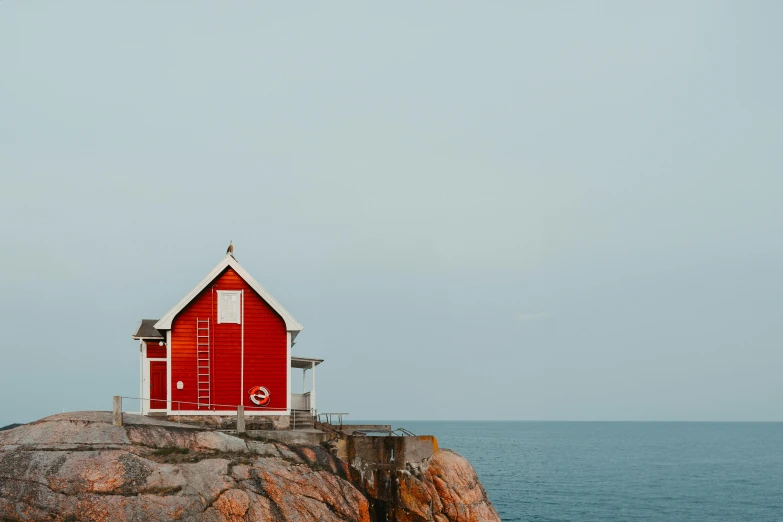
(229, 304)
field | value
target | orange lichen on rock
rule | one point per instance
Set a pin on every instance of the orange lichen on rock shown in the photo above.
(447, 490)
(232, 505)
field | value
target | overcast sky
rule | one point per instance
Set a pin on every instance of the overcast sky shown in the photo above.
(507, 210)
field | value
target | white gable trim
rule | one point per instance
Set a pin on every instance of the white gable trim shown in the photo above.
(291, 324)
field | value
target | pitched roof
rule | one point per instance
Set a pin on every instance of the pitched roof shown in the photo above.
(146, 330)
(291, 324)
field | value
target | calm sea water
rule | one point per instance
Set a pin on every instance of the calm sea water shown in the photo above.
(622, 471)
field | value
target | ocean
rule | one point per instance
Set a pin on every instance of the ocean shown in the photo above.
(622, 471)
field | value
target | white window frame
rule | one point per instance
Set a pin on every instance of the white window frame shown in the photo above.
(238, 294)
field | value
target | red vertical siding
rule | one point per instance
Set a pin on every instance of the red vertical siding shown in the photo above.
(265, 361)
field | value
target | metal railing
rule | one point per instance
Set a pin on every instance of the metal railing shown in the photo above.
(399, 432)
(179, 413)
(117, 409)
(328, 418)
(228, 407)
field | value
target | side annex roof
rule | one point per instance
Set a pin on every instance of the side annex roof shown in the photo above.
(291, 324)
(146, 330)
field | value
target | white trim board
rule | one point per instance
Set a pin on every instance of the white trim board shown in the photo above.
(143, 375)
(288, 338)
(168, 369)
(291, 324)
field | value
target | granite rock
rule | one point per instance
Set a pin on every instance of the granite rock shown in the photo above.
(79, 467)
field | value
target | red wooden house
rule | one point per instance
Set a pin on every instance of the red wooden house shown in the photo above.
(227, 342)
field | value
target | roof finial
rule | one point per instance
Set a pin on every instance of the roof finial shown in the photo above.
(230, 249)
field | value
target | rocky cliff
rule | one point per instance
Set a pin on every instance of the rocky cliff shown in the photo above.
(78, 466)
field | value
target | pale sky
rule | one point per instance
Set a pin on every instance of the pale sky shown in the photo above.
(508, 210)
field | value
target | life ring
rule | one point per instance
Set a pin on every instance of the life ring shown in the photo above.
(259, 395)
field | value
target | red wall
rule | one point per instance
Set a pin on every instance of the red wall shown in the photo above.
(155, 350)
(266, 362)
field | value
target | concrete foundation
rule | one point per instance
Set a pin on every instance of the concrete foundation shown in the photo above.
(229, 422)
(365, 453)
(377, 463)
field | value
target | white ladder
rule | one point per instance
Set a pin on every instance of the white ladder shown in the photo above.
(202, 363)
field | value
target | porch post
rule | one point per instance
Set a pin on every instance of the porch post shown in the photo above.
(312, 391)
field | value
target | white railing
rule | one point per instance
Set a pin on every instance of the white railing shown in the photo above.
(300, 401)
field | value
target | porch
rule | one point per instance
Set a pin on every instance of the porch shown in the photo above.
(304, 402)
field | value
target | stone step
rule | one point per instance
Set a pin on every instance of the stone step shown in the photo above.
(302, 420)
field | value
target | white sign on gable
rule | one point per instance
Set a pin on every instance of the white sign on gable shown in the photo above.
(229, 306)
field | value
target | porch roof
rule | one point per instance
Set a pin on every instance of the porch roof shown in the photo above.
(146, 330)
(304, 362)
